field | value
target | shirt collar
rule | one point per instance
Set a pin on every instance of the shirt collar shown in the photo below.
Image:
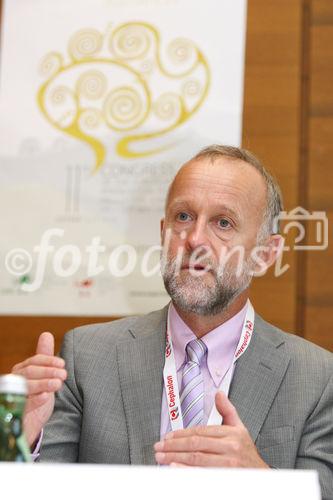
(221, 342)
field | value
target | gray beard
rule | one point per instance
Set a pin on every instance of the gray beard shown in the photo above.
(192, 294)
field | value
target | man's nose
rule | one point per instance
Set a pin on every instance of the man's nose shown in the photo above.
(197, 236)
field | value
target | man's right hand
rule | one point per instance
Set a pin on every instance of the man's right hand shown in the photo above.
(45, 374)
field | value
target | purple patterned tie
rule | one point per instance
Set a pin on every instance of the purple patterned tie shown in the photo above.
(192, 390)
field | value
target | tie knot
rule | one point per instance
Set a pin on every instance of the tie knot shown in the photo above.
(196, 350)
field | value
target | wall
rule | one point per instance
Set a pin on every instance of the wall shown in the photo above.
(317, 296)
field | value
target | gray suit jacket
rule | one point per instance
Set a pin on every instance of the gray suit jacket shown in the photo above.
(110, 406)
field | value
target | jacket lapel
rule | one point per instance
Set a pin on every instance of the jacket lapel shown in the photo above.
(258, 376)
(140, 362)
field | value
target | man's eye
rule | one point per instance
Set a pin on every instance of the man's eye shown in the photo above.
(183, 217)
(224, 223)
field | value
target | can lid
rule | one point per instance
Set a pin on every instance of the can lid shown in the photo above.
(13, 384)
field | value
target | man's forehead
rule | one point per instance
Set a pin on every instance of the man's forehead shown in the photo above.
(225, 175)
(220, 168)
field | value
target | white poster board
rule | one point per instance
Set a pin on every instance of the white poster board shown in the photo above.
(101, 101)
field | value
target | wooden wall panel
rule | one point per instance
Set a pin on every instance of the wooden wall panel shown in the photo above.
(322, 12)
(319, 265)
(271, 128)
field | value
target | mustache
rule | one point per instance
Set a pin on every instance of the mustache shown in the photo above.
(199, 265)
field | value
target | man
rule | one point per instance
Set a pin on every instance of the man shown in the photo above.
(142, 390)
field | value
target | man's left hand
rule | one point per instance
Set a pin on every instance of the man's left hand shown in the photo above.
(227, 445)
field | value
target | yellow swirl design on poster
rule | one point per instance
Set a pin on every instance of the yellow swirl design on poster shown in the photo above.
(113, 81)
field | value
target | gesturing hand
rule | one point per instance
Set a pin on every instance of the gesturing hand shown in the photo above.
(227, 445)
(45, 374)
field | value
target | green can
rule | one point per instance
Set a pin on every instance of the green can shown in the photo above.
(13, 445)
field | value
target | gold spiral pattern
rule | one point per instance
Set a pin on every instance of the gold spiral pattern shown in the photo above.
(50, 64)
(92, 85)
(139, 63)
(181, 51)
(91, 118)
(59, 95)
(131, 41)
(123, 108)
(168, 106)
(191, 88)
(85, 43)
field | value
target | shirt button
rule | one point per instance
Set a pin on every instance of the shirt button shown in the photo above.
(218, 373)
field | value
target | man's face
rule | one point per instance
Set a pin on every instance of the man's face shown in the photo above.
(213, 217)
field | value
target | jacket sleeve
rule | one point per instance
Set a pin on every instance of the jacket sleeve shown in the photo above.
(316, 446)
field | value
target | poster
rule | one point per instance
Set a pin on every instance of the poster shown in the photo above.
(101, 101)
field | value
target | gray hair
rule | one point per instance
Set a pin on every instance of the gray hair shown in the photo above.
(274, 204)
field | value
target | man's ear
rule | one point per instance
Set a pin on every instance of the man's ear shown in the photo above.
(265, 255)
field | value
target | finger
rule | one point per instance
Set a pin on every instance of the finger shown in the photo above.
(175, 464)
(209, 431)
(44, 385)
(193, 459)
(45, 344)
(193, 443)
(227, 410)
(33, 372)
(37, 400)
(40, 360)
